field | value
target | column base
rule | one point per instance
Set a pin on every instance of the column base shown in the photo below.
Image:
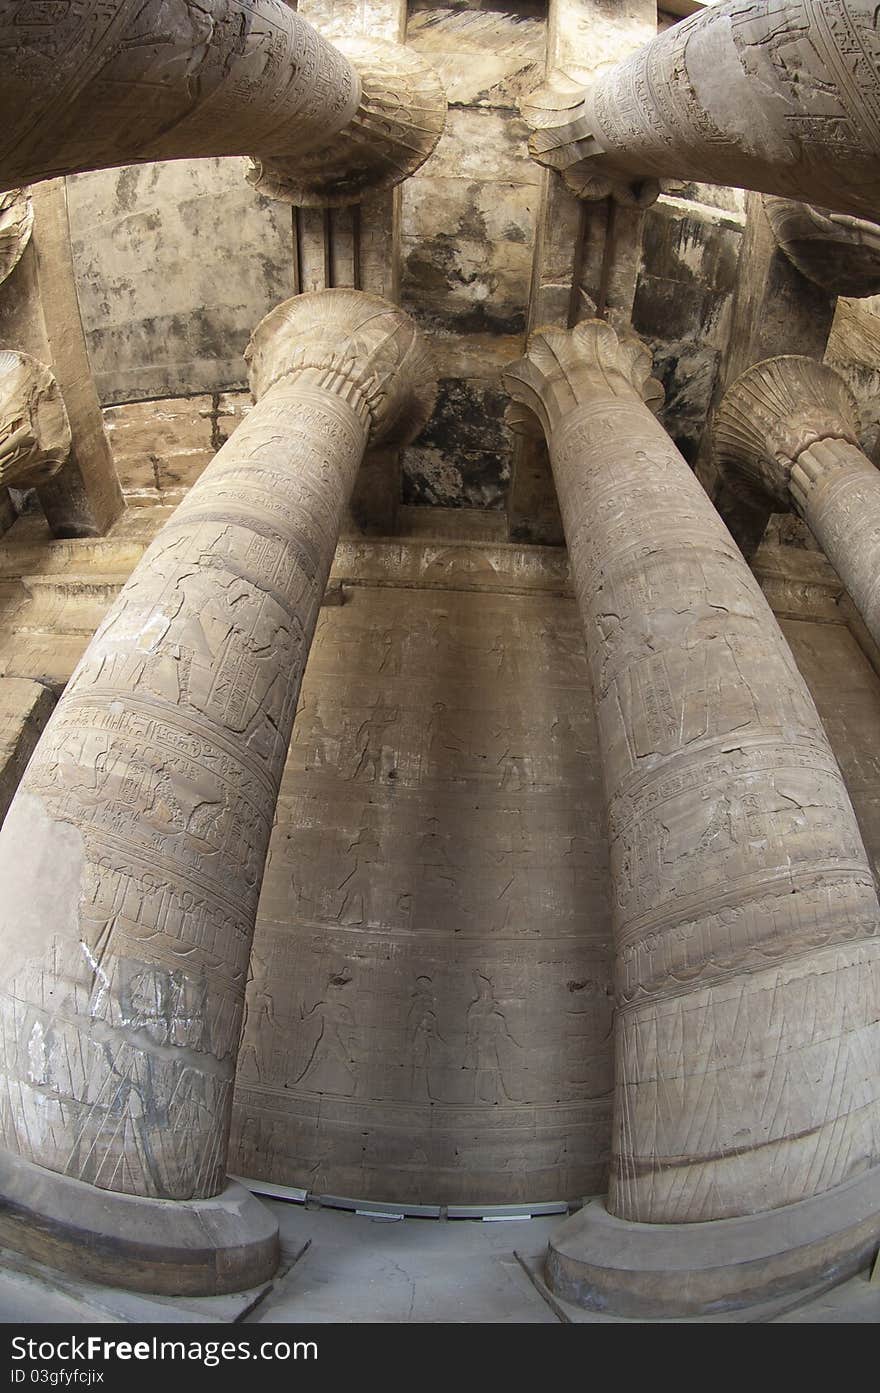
(168, 1247)
(651, 1271)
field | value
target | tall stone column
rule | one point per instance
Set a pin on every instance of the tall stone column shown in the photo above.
(790, 427)
(132, 855)
(782, 97)
(745, 916)
(102, 85)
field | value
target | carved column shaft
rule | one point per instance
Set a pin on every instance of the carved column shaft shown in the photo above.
(745, 912)
(790, 426)
(147, 80)
(781, 97)
(836, 489)
(133, 853)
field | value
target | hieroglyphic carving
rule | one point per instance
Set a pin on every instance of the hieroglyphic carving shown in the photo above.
(746, 918)
(16, 225)
(399, 119)
(34, 429)
(807, 72)
(444, 899)
(791, 425)
(839, 253)
(133, 852)
(91, 86)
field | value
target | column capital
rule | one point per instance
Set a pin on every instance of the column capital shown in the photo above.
(566, 368)
(398, 122)
(773, 412)
(567, 138)
(835, 251)
(34, 430)
(781, 98)
(16, 225)
(364, 349)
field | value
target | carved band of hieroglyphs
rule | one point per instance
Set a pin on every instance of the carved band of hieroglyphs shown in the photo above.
(90, 86)
(133, 852)
(807, 72)
(736, 859)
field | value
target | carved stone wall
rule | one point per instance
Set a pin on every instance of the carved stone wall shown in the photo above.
(429, 1013)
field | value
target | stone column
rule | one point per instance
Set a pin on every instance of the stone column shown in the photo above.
(132, 854)
(790, 426)
(103, 85)
(781, 97)
(838, 253)
(34, 429)
(745, 915)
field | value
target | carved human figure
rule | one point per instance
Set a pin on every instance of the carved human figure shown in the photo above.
(34, 430)
(781, 97)
(488, 1043)
(789, 428)
(745, 915)
(99, 86)
(133, 852)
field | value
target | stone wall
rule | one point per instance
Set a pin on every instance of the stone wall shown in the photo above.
(430, 1010)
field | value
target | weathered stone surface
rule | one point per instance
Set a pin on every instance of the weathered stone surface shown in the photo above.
(399, 119)
(652, 1271)
(151, 795)
(484, 58)
(16, 225)
(463, 455)
(585, 258)
(25, 707)
(790, 425)
(84, 498)
(224, 1243)
(34, 429)
(745, 915)
(429, 1011)
(774, 310)
(782, 99)
(839, 253)
(175, 262)
(683, 305)
(165, 80)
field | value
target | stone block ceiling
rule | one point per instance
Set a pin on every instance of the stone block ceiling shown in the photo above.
(177, 262)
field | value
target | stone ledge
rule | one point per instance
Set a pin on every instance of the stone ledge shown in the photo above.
(650, 1271)
(210, 1247)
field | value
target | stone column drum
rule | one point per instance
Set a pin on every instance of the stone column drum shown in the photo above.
(789, 427)
(745, 915)
(782, 97)
(132, 855)
(97, 85)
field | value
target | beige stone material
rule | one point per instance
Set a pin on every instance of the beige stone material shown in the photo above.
(429, 1010)
(688, 1271)
(84, 498)
(782, 97)
(134, 848)
(34, 429)
(25, 707)
(16, 225)
(170, 79)
(745, 916)
(839, 253)
(790, 425)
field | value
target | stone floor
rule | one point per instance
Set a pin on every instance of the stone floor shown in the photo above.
(346, 1267)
